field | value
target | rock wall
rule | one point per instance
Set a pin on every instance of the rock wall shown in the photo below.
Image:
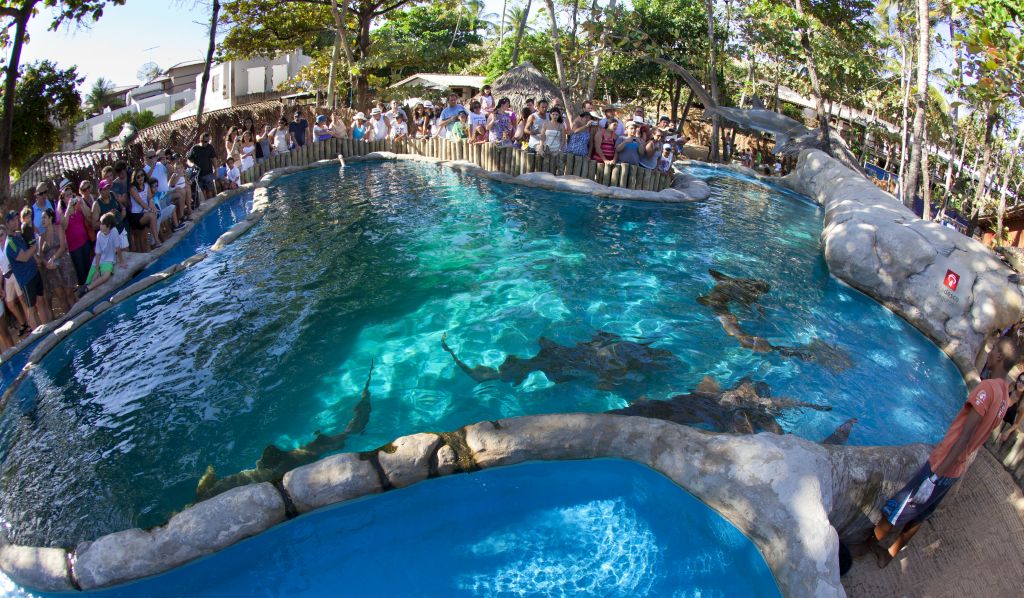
(787, 494)
(951, 287)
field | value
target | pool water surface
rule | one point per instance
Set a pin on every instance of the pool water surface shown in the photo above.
(598, 528)
(271, 339)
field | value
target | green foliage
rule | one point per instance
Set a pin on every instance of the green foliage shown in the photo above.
(141, 120)
(995, 50)
(98, 93)
(534, 47)
(432, 38)
(269, 28)
(46, 100)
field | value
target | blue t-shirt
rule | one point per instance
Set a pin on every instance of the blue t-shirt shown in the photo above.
(24, 272)
(298, 129)
(222, 171)
(37, 216)
(450, 112)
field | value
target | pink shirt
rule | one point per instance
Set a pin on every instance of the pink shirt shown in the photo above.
(76, 233)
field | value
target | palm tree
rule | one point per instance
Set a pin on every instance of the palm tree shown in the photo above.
(98, 93)
(519, 16)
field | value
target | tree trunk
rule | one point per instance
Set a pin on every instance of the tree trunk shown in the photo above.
(954, 132)
(926, 179)
(979, 192)
(341, 42)
(206, 67)
(677, 90)
(921, 98)
(365, 16)
(10, 85)
(712, 81)
(556, 46)
(778, 76)
(812, 73)
(1006, 183)
(596, 63)
(519, 34)
(681, 123)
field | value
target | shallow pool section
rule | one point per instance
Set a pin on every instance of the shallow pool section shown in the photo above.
(271, 339)
(577, 528)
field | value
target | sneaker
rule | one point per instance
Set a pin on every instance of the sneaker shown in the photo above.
(180, 226)
(81, 291)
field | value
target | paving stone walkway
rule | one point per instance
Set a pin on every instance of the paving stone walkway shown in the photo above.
(974, 546)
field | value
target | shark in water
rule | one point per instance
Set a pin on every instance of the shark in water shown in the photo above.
(746, 408)
(607, 357)
(275, 462)
(746, 292)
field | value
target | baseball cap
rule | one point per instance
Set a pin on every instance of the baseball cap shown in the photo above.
(297, 113)
(667, 146)
(104, 184)
(428, 104)
(664, 119)
(12, 215)
(150, 153)
(321, 118)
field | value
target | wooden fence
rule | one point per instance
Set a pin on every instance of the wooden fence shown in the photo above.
(489, 156)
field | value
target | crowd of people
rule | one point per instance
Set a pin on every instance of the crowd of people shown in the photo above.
(70, 238)
(539, 126)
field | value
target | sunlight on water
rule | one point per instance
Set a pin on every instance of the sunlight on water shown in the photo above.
(272, 338)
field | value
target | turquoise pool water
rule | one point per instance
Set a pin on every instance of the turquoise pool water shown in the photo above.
(272, 338)
(599, 528)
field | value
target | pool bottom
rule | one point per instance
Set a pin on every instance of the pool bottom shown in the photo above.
(591, 528)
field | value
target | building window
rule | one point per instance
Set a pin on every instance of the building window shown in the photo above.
(215, 83)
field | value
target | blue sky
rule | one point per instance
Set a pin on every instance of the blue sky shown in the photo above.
(116, 46)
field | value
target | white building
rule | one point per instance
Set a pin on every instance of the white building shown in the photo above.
(243, 81)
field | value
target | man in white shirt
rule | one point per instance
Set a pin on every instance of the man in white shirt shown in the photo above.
(393, 113)
(378, 125)
(155, 169)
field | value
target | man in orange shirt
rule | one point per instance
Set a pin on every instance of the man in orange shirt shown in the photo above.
(982, 412)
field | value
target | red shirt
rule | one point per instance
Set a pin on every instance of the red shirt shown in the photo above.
(990, 399)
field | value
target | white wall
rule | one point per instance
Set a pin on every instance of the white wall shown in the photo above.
(91, 130)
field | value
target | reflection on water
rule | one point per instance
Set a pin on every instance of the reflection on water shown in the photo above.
(271, 339)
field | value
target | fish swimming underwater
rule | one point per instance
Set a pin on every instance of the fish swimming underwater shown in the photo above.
(746, 408)
(746, 292)
(607, 357)
(275, 462)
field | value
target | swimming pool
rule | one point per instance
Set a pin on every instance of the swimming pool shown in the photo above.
(271, 339)
(600, 528)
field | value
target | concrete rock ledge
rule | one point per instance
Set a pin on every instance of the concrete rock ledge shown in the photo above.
(878, 246)
(791, 497)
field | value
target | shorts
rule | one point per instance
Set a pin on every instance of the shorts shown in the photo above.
(105, 268)
(206, 181)
(11, 288)
(33, 289)
(916, 512)
(135, 220)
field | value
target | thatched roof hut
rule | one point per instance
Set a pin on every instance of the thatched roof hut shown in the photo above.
(524, 81)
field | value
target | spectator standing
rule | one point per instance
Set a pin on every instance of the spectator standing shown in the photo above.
(106, 204)
(477, 123)
(231, 144)
(394, 111)
(9, 286)
(603, 143)
(42, 203)
(552, 133)
(280, 137)
(487, 101)
(399, 128)
(249, 126)
(180, 192)
(579, 134)
(627, 150)
(57, 271)
(535, 123)
(232, 174)
(650, 149)
(141, 213)
(21, 253)
(201, 156)
(320, 130)
(666, 158)
(501, 124)
(75, 239)
(983, 410)
(248, 149)
(359, 127)
(298, 128)
(450, 115)
(378, 125)
(337, 128)
(610, 115)
(263, 142)
(460, 130)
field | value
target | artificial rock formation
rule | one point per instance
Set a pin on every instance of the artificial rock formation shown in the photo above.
(951, 287)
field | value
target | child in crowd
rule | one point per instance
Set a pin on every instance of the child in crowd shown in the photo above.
(666, 158)
(107, 244)
(460, 129)
(232, 175)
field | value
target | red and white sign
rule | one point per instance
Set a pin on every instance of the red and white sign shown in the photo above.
(952, 280)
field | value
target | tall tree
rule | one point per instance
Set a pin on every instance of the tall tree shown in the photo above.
(1006, 184)
(16, 14)
(812, 74)
(211, 47)
(520, 29)
(46, 101)
(713, 80)
(921, 100)
(556, 46)
(98, 94)
(602, 43)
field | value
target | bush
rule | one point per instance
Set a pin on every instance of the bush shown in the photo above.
(141, 120)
